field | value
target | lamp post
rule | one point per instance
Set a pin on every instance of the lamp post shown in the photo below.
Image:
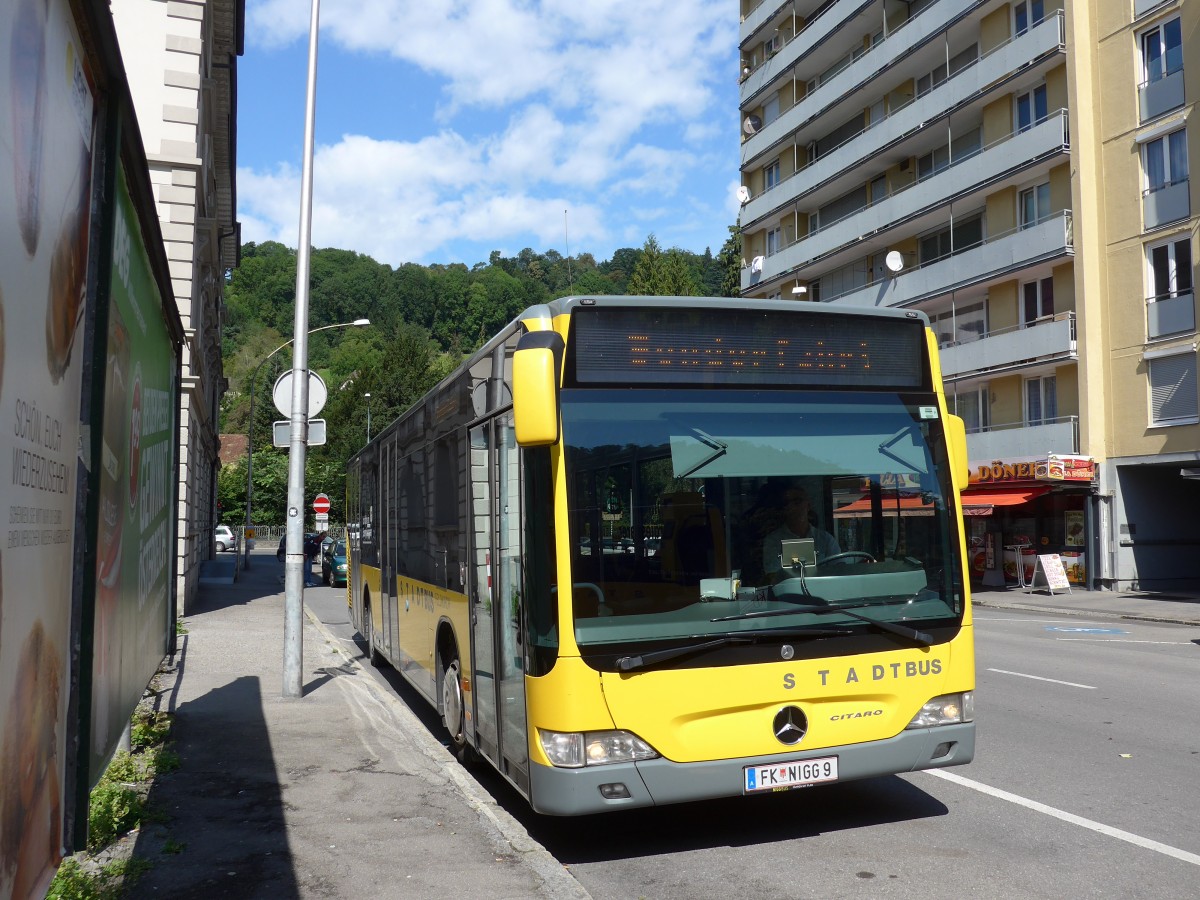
(250, 428)
(368, 396)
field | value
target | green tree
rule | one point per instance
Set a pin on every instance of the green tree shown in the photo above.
(729, 260)
(662, 274)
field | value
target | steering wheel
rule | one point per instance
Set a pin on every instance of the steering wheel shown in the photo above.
(849, 554)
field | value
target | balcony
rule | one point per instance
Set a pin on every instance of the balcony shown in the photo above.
(993, 260)
(1007, 157)
(1143, 7)
(1161, 96)
(761, 15)
(817, 30)
(1060, 435)
(1169, 203)
(1010, 348)
(930, 22)
(1170, 315)
(965, 85)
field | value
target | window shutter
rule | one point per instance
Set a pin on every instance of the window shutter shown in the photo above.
(1173, 388)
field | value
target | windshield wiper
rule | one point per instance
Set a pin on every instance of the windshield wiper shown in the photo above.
(718, 447)
(920, 637)
(645, 660)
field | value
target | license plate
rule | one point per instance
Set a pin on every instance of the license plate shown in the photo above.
(786, 775)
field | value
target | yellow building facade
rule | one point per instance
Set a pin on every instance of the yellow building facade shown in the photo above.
(1019, 172)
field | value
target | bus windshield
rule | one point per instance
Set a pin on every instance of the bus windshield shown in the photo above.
(697, 513)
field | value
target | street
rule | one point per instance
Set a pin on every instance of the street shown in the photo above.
(1084, 784)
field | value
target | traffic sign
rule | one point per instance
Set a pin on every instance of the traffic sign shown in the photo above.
(321, 504)
(318, 393)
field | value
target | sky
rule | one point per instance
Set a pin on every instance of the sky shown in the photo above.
(446, 129)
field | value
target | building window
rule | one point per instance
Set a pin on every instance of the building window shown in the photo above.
(972, 407)
(967, 232)
(1037, 300)
(1171, 269)
(1162, 50)
(1165, 160)
(1173, 389)
(958, 62)
(774, 240)
(1030, 108)
(770, 175)
(960, 325)
(1034, 204)
(1041, 400)
(770, 110)
(1169, 305)
(1026, 14)
(933, 162)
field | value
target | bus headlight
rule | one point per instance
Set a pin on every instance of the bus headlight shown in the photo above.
(593, 748)
(949, 709)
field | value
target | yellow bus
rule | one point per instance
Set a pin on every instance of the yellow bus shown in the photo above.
(648, 550)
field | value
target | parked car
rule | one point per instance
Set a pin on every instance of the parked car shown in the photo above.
(225, 538)
(333, 564)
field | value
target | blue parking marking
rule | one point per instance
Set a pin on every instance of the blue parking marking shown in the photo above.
(1079, 630)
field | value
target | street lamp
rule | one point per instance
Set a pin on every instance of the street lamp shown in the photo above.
(250, 427)
(368, 396)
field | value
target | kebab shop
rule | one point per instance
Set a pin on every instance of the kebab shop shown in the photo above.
(1018, 509)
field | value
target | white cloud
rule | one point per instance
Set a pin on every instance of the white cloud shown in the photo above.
(600, 104)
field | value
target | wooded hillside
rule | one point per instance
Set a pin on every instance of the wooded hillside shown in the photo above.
(424, 319)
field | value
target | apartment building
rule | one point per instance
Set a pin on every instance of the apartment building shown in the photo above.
(931, 155)
(1135, 80)
(181, 61)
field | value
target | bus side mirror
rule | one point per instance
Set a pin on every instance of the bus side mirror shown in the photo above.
(956, 447)
(536, 366)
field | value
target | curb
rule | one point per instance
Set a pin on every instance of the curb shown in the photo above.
(557, 880)
(1079, 611)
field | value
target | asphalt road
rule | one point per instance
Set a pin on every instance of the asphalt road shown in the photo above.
(1086, 783)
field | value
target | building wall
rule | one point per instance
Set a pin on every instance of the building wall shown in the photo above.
(958, 158)
(181, 61)
(1155, 534)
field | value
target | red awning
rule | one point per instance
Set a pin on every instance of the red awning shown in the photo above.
(981, 502)
(909, 505)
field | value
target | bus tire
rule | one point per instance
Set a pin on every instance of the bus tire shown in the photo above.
(373, 656)
(452, 710)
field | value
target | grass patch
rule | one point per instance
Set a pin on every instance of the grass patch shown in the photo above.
(78, 880)
(117, 806)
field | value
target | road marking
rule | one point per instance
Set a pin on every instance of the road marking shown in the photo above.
(1087, 687)
(979, 618)
(1119, 641)
(1100, 827)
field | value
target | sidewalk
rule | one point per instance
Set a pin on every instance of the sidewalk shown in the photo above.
(342, 793)
(1178, 607)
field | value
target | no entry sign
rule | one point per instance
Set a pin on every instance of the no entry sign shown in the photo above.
(321, 503)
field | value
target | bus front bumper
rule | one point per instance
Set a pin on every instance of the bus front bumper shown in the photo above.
(659, 782)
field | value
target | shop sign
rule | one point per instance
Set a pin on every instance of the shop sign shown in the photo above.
(1054, 467)
(1066, 468)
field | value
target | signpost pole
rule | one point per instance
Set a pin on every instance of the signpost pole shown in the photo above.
(293, 615)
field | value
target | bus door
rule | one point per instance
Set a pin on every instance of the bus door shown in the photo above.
(387, 557)
(498, 660)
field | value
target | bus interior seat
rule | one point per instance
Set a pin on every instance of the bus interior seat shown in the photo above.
(693, 539)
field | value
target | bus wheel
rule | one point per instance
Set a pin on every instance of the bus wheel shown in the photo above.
(452, 709)
(373, 656)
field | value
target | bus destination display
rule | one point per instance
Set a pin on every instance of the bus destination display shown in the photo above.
(748, 347)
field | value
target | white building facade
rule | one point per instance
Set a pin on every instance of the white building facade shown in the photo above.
(181, 61)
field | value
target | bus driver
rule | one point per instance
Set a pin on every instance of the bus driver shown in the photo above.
(796, 526)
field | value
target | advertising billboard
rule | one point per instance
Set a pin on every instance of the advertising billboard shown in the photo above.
(135, 542)
(47, 142)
